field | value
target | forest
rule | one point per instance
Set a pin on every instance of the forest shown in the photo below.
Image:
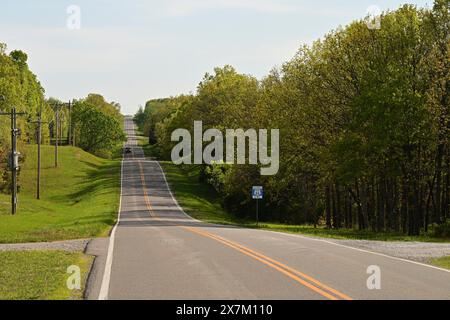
(364, 121)
(95, 125)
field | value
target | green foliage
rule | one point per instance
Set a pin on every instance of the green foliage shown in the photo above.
(201, 202)
(215, 175)
(442, 230)
(111, 109)
(97, 125)
(19, 57)
(364, 124)
(155, 112)
(19, 88)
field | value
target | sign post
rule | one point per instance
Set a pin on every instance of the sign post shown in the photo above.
(257, 194)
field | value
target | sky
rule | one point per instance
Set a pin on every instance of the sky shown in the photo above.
(135, 50)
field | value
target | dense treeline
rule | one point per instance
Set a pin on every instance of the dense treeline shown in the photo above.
(19, 88)
(96, 124)
(153, 113)
(364, 121)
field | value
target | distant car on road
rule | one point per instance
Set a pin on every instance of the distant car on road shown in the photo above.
(127, 150)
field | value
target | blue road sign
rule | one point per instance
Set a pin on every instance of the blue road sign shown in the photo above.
(257, 193)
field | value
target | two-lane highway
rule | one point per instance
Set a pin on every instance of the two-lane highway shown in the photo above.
(157, 252)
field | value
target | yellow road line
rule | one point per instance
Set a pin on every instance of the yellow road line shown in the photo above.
(144, 188)
(296, 275)
(309, 278)
(291, 273)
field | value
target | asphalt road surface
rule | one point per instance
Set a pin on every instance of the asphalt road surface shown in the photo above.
(158, 252)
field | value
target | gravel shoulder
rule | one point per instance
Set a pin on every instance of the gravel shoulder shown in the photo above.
(68, 245)
(416, 251)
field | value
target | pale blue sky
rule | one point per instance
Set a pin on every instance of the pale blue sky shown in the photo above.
(134, 50)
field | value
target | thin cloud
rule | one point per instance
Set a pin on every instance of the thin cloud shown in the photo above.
(190, 7)
(93, 49)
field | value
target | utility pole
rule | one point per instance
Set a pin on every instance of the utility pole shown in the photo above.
(58, 127)
(39, 122)
(69, 139)
(14, 157)
(56, 134)
(61, 120)
(14, 163)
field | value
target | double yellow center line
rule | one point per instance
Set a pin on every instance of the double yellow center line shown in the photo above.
(144, 189)
(307, 281)
(296, 275)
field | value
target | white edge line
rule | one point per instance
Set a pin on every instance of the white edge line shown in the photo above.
(308, 238)
(311, 238)
(171, 194)
(361, 250)
(104, 289)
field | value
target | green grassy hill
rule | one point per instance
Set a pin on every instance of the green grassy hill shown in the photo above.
(78, 200)
(40, 275)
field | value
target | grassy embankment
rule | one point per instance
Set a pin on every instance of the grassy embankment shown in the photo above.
(78, 200)
(40, 275)
(441, 262)
(201, 202)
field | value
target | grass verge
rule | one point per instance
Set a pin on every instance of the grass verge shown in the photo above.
(443, 262)
(149, 150)
(201, 202)
(198, 200)
(40, 275)
(79, 199)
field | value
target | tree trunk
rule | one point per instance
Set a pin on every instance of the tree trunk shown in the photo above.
(437, 196)
(328, 206)
(338, 207)
(404, 204)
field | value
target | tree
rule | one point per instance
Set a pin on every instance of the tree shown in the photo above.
(19, 88)
(364, 123)
(98, 129)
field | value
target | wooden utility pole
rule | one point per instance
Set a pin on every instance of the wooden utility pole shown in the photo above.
(56, 134)
(14, 156)
(69, 138)
(58, 126)
(61, 121)
(39, 122)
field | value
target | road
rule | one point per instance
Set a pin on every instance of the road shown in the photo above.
(157, 252)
